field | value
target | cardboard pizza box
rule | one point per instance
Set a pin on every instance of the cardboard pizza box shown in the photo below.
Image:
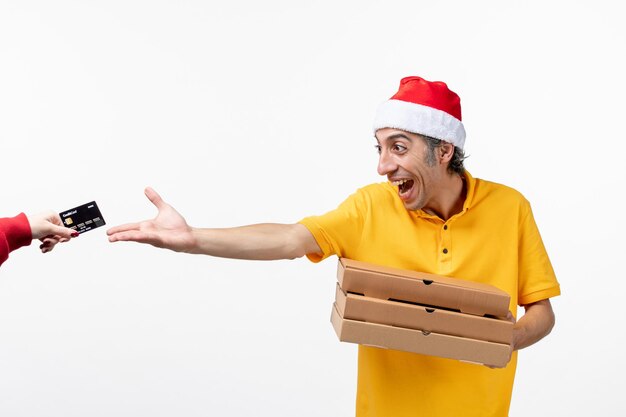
(419, 317)
(418, 287)
(417, 341)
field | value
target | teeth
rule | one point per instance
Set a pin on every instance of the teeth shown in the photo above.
(398, 183)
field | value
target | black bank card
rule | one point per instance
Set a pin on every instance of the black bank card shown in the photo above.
(83, 218)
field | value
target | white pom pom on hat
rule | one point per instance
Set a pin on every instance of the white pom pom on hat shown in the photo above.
(424, 107)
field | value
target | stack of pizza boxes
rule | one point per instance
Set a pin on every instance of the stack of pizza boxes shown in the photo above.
(422, 313)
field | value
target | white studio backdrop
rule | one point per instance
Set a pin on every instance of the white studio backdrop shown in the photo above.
(249, 112)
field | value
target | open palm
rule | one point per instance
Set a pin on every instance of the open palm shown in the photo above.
(167, 230)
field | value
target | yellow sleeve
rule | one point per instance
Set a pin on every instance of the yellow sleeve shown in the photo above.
(338, 229)
(537, 280)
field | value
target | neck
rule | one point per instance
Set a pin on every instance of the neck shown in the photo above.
(450, 199)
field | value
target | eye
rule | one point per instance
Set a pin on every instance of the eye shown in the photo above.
(397, 147)
(378, 148)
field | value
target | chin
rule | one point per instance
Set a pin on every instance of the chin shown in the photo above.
(414, 204)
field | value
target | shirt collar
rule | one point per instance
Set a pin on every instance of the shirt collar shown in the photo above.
(470, 183)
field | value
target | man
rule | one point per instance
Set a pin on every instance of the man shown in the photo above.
(431, 216)
(20, 230)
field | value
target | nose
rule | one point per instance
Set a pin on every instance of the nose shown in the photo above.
(386, 163)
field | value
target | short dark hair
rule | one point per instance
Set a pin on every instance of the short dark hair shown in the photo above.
(456, 163)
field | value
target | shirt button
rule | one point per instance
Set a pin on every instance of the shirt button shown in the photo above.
(445, 250)
(445, 227)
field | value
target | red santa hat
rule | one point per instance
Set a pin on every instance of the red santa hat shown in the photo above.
(427, 108)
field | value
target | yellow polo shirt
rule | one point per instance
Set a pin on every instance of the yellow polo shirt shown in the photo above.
(493, 240)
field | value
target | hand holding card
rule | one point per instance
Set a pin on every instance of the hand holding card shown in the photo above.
(47, 227)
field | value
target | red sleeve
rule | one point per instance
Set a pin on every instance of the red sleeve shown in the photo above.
(14, 233)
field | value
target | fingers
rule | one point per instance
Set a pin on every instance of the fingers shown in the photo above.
(154, 197)
(64, 232)
(48, 224)
(134, 236)
(510, 317)
(48, 243)
(123, 228)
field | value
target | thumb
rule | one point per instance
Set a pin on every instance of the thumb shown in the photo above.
(154, 197)
(510, 317)
(64, 232)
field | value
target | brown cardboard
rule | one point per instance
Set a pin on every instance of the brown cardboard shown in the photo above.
(418, 317)
(416, 341)
(422, 288)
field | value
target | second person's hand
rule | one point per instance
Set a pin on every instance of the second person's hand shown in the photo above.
(167, 230)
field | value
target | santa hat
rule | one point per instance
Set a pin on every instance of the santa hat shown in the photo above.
(423, 107)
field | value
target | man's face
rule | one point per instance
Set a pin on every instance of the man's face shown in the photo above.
(404, 160)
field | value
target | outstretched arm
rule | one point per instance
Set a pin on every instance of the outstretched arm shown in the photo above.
(260, 242)
(18, 231)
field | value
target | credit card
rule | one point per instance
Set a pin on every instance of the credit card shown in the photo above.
(83, 218)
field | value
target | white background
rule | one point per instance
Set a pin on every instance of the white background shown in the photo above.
(252, 112)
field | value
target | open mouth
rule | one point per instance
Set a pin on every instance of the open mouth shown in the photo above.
(404, 186)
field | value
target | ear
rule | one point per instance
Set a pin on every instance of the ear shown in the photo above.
(446, 152)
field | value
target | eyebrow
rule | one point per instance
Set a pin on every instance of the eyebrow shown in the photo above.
(397, 136)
